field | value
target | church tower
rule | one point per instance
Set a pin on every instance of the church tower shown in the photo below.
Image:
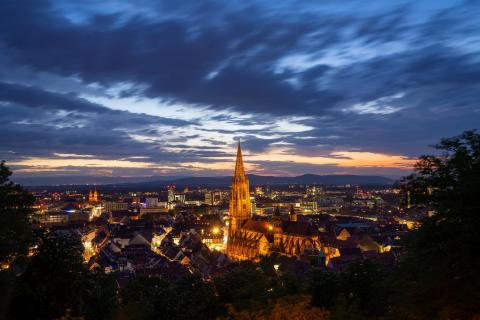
(239, 210)
(93, 196)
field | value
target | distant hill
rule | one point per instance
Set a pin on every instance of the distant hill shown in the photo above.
(84, 180)
(221, 182)
(263, 180)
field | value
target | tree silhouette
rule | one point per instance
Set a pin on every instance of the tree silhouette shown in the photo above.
(15, 208)
(439, 277)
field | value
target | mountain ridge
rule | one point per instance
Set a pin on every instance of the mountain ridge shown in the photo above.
(225, 181)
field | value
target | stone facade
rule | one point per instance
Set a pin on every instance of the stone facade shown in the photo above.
(251, 239)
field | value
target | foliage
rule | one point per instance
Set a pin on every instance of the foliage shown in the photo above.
(7, 282)
(57, 282)
(343, 309)
(323, 286)
(15, 232)
(438, 277)
(362, 285)
(245, 286)
(199, 295)
(358, 292)
(296, 307)
(154, 298)
(15, 208)
(148, 298)
(99, 296)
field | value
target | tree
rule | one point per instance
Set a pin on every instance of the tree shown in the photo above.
(99, 295)
(15, 208)
(438, 277)
(196, 299)
(148, 298)
(323, 286)
(362, 285)
(245, 286)
(56, 283)
(346, 310)
(295, 307)
(154, 298)
(15, 231)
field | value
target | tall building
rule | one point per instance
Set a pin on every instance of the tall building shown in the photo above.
(240, 209)
(250, 239)
(171, 194)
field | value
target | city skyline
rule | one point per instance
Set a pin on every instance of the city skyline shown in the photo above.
(130, 90)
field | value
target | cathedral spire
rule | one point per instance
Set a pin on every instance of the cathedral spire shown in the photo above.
(239, 169)
(240, 209)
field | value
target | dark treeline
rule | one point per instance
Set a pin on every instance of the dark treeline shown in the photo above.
(437, 277)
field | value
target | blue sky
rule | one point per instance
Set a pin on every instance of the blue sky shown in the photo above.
(166, 87)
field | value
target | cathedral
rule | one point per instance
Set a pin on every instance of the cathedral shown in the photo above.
(250, 239)
(93, 196)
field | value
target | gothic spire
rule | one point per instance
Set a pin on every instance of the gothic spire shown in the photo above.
(239, 170)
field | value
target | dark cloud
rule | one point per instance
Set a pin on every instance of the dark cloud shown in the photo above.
(174, 56)
(34, 97)
(382, 78)
(35, 122)
(169, 57)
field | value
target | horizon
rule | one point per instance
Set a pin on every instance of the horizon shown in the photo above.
(151, 90)
(46, 181)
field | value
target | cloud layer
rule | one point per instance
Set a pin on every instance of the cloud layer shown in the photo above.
(152, 88)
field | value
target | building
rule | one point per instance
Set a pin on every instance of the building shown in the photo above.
(154, 210)
(313, 190)
(259, 191)
(253, 205)
(53, 218)
(151, 202)
(308, 207)
(115, 206)
(171, 194)
(213, 238)
(93, 196)
(174, 198)
(179, 197)
(250, 239)
(213, 198)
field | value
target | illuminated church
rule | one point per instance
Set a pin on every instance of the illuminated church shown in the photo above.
(92, 196)
(250, 239)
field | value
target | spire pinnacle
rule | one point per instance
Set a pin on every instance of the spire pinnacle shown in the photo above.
(239, 170)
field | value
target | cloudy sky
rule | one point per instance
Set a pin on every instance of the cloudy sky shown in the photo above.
(167, 87)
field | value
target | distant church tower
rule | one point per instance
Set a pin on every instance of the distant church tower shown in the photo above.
(93, 196)
(239, 210)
